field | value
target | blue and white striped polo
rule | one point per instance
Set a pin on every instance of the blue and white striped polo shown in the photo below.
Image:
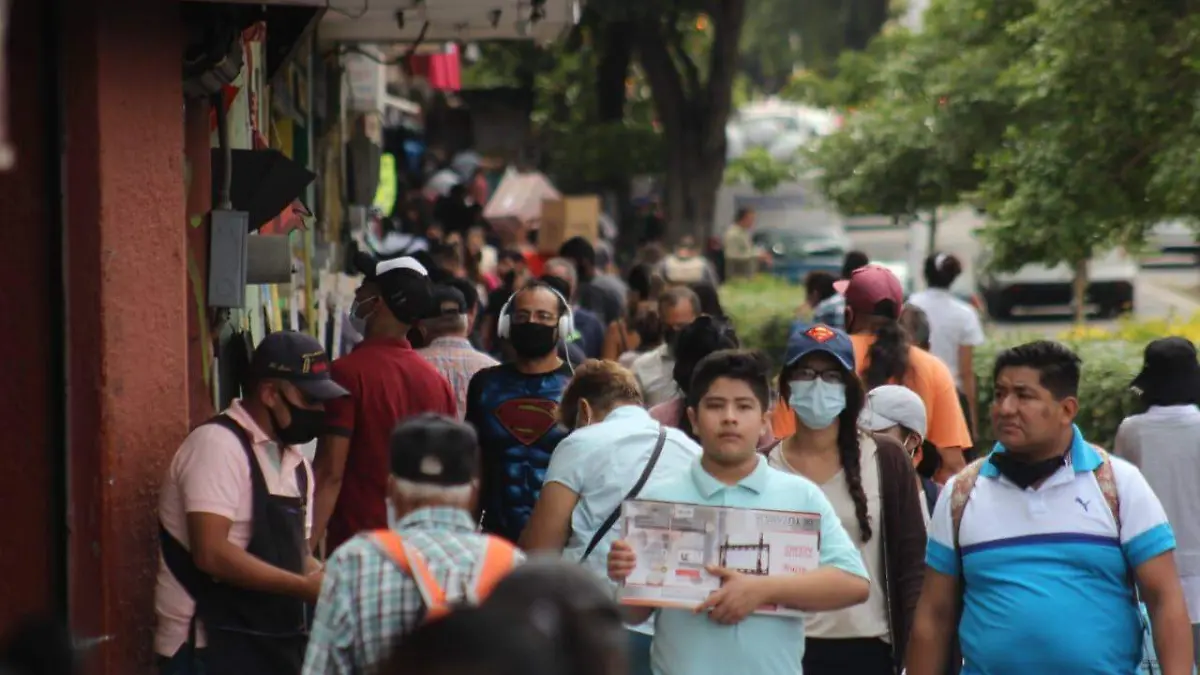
(1047, 581)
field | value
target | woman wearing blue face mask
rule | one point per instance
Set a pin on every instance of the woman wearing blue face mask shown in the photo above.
(872, 487)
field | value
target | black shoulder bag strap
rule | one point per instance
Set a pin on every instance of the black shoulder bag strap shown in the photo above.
(632, 494)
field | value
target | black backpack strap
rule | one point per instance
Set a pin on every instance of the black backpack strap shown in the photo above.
(632, 494)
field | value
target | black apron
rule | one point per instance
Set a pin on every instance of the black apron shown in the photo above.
(251, 631)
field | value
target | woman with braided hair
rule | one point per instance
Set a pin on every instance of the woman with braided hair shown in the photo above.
(873, 488)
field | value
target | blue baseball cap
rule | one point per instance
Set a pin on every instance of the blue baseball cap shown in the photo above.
(819, 337)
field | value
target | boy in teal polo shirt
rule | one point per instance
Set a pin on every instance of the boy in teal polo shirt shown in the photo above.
(727, 406)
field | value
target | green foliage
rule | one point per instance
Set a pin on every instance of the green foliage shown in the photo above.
(757, 168)
(584, 156)
(780, 34)
(762, 310)
(1062, 119)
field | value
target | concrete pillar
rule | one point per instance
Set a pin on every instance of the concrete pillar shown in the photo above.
(126, 310)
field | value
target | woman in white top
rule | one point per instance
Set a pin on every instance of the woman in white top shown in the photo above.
(1164, 443)
(955, 329)
(873, 488)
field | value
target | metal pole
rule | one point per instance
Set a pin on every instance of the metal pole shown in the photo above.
(310, 305)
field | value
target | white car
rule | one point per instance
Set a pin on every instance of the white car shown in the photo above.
(1173, 236)
(1110, 291)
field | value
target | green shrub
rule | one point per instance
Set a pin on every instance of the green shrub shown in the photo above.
(762, 310)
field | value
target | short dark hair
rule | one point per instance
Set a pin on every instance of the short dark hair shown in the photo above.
(1058, 367)
(639, 280)
(578, 250)
(469, 291)
(853, 261)
(552, 284)
(710, 299)
(746, 365)
(742, 213)
(821, 283)
(941, 269)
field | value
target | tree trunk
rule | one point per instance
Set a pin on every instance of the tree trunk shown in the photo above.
(693, 115)
(1079, 290)
(693, 179)
(616, 55)
(933, 224)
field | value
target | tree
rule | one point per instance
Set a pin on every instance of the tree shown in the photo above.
(687, 50)
(779, 34)
(1081, 167)
(757, 168)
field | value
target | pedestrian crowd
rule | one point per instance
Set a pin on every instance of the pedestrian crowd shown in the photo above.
(461, 515)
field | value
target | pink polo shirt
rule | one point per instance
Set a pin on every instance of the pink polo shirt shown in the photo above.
(209, 474)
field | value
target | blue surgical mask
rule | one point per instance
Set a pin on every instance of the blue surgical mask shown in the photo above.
(816, 402)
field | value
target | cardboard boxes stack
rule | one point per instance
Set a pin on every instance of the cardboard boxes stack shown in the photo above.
(567, 218)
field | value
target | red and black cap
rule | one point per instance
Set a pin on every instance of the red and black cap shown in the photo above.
(299, 359)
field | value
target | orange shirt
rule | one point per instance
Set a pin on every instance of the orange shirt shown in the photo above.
(928, 377)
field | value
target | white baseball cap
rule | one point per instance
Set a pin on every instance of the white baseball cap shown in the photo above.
(892, 404)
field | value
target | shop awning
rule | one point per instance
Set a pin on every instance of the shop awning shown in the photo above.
(449, 20)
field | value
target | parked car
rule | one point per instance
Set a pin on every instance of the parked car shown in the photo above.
(1110, 291)
(1173, 236)
(811, 241)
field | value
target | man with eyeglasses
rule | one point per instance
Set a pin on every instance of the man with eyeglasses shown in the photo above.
(514, 407)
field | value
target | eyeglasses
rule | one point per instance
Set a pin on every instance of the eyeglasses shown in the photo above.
(810, 374)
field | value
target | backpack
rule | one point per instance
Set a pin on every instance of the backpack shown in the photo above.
(964, 484)
(498, 559)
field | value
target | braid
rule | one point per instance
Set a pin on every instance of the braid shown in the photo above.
(852, 467)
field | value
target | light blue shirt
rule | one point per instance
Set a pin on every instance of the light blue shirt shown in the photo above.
(691, 644)
(1051, 556)
(601, 462)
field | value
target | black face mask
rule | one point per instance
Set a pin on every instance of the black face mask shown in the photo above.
(1024, 474)
(533, 340)
(306, 425)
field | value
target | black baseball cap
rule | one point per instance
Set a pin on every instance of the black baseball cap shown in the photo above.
(403, 284)
(447, 301)
(297, 358)
(1170, 370)
(435, 450)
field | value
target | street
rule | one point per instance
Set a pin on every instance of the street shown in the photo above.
(1159, 292)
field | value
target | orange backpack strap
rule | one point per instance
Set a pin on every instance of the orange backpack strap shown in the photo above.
(964, 484)
(498, 559)
(411, 562)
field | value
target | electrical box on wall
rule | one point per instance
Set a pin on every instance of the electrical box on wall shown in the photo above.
(227, 255)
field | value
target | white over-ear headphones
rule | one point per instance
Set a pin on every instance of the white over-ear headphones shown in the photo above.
(566, 322)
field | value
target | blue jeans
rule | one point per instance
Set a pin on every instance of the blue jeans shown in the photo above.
(639, 653)
(186, 661)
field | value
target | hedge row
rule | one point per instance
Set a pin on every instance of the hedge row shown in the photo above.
(763, 310)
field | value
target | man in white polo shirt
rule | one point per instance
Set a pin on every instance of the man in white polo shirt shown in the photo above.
(235, 571)
(1042, 543)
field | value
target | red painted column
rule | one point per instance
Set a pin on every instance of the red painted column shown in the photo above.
(25, 465)
(126, 309)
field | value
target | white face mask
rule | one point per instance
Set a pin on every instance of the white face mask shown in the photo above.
(816, 402)
(359, 323)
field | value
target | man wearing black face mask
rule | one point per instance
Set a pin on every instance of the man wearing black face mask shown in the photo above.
(234, 520)
(388, 382)
(514, 407)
